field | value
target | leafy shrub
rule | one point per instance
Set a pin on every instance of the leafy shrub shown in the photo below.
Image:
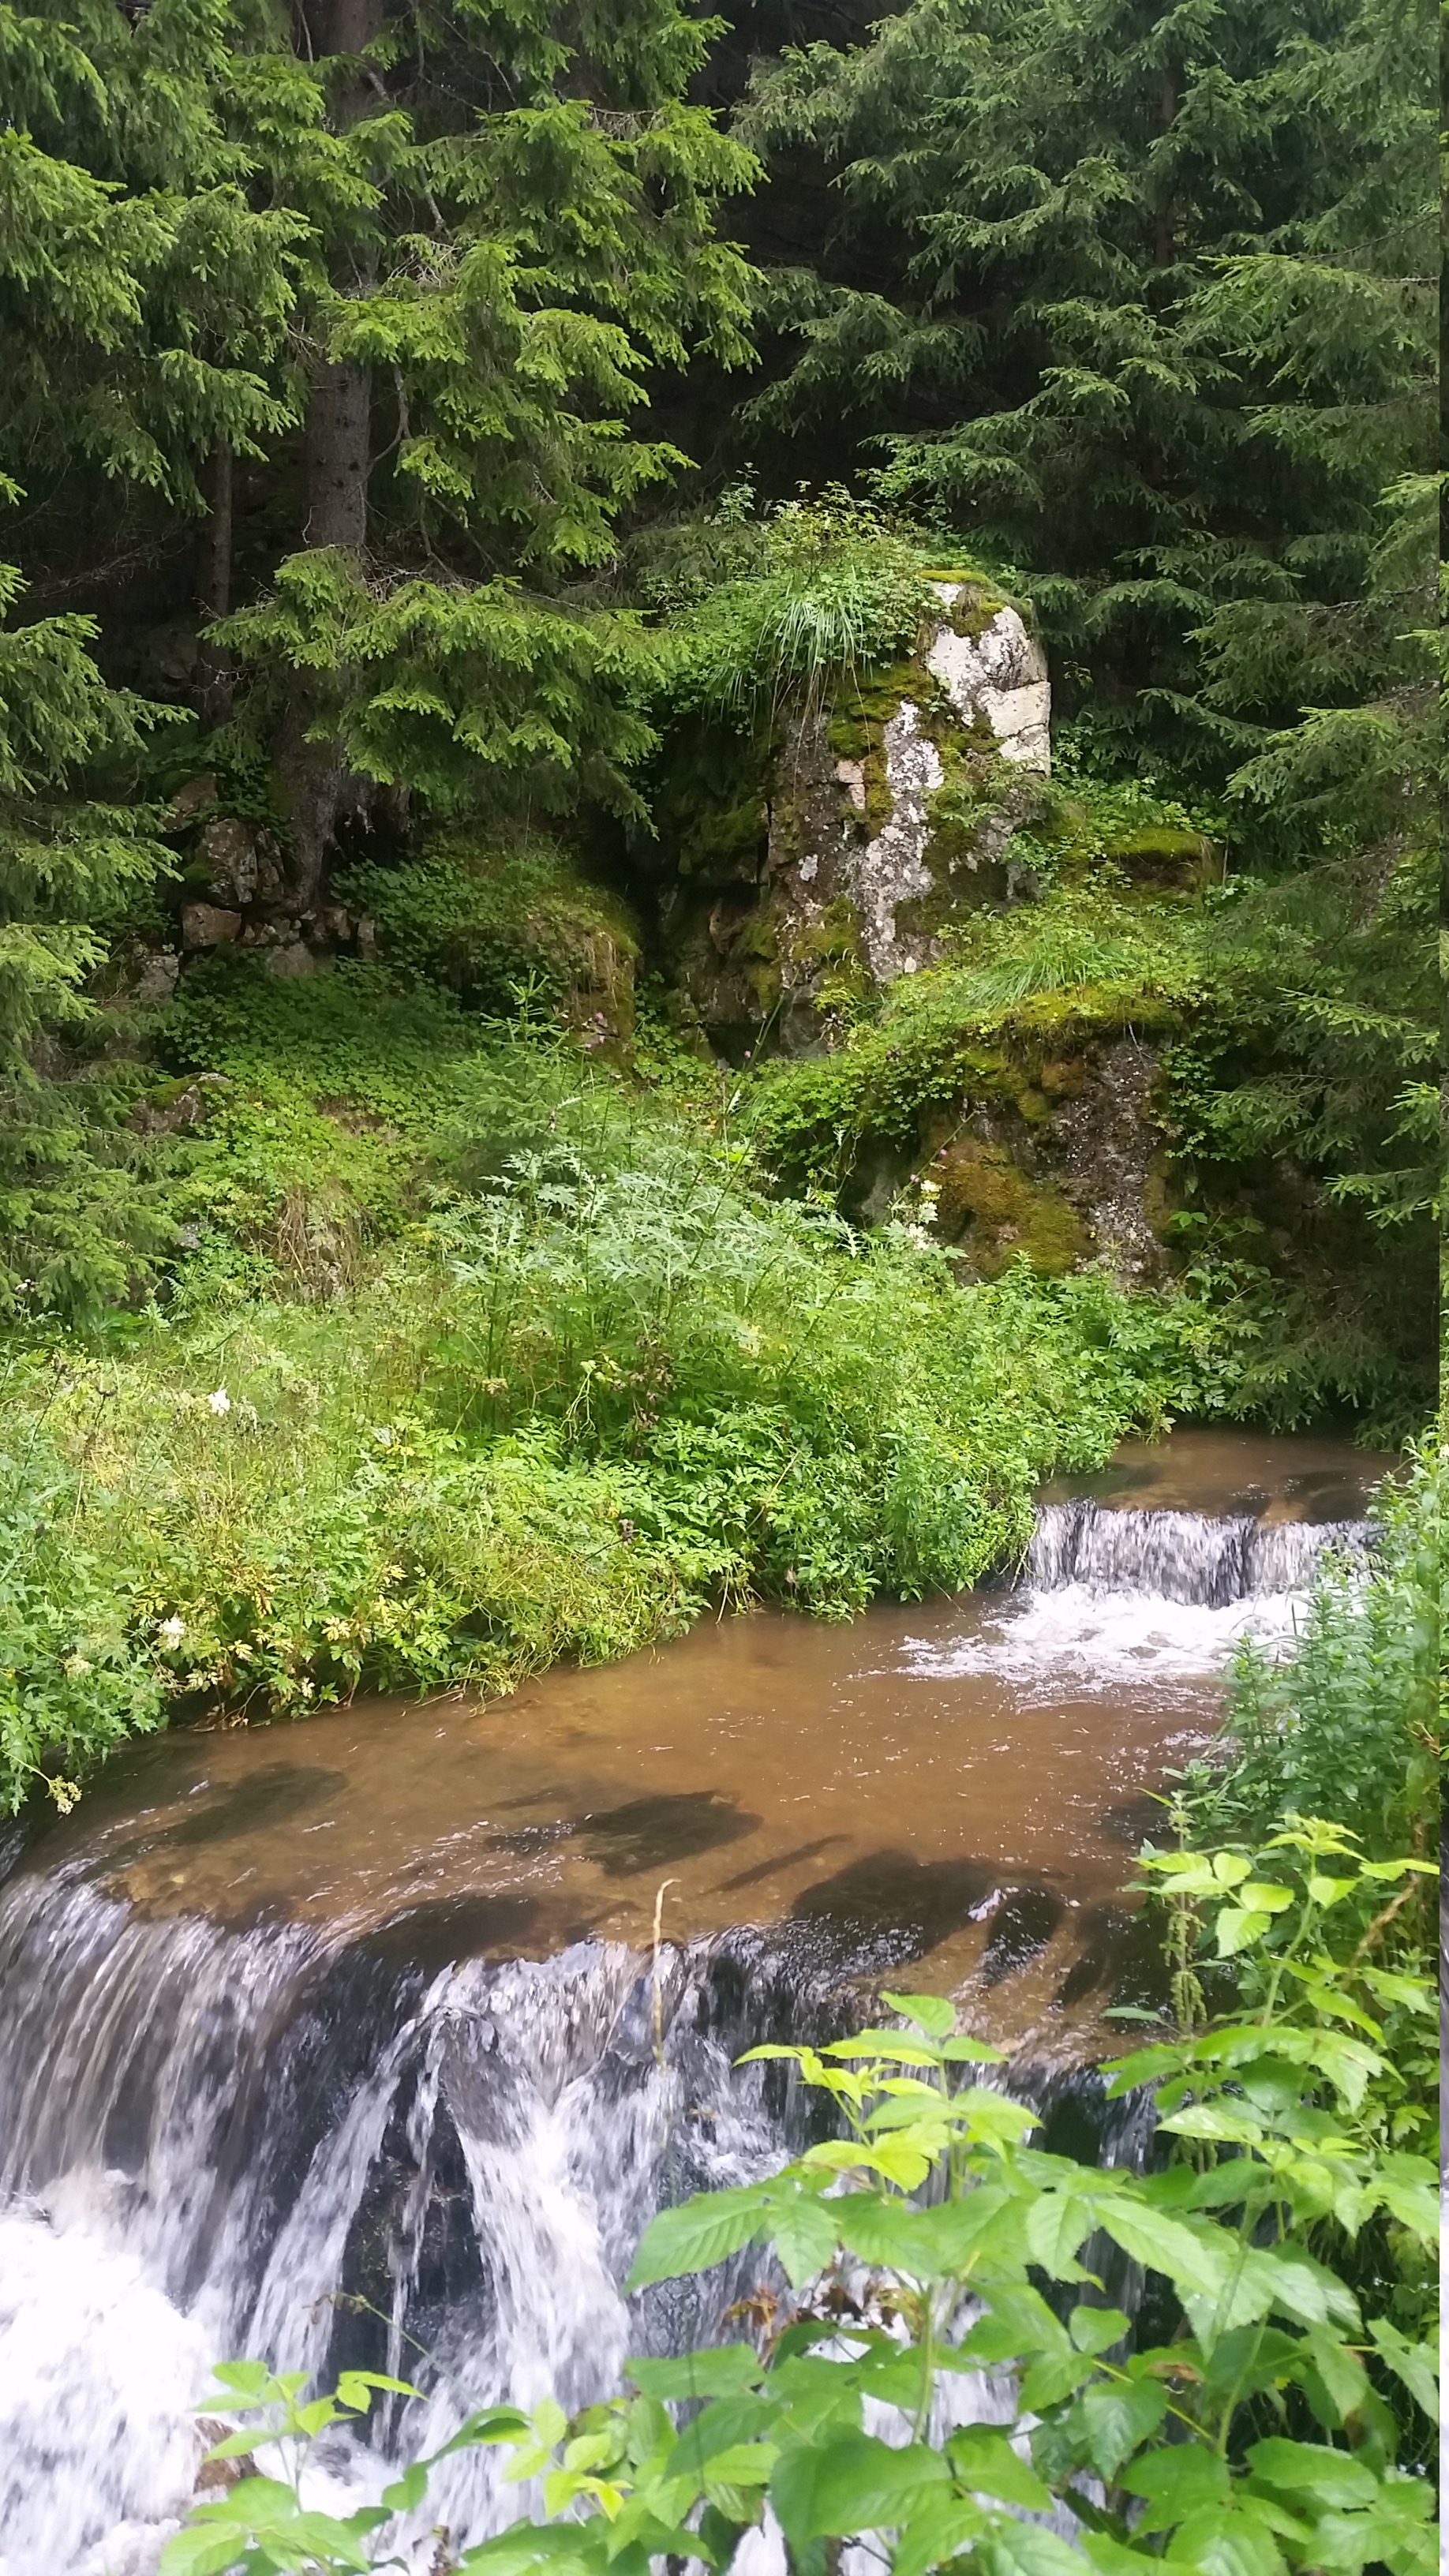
(75, 1679)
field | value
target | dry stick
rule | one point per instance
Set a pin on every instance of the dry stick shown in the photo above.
(664, 1885)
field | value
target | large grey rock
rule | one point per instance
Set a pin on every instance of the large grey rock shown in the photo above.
(1001, 674)
(208, 925)
(242, 860)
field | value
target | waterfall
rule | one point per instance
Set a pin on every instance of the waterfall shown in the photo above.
(1182, 1556)
(216, 2143)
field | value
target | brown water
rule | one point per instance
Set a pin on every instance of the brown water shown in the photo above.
(961, 1782)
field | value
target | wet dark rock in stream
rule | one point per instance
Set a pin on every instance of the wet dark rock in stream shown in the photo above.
(365, 2058)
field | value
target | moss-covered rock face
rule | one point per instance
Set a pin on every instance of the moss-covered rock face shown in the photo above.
(993, 1212)
(803, 870)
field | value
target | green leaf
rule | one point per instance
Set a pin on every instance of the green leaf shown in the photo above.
(890, 2047)
(1117, 2416)
(1055, 2226)
(202, 2549)
(407, 2491)
(1237, 1927)
(936, 2533)
(721, 2370)
(1218, 2543)
(1192, 2262)
(1097, 2329)
(803, 2231)
(934, 2014)
(854, 2485)
(698, 2234)
(1025, 2549)
(1413, 2363)
(1310, 2470)
(1179, 2479)
(984, 2460)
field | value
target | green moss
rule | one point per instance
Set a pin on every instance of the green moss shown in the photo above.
(975, 608)
(996, 1212)
(709, 798)
(480, 919)
(1165, 859)
(863, 706)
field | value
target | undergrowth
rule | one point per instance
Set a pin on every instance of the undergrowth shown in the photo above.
(567, 1412)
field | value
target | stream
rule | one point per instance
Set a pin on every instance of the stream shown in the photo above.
(367, 2009)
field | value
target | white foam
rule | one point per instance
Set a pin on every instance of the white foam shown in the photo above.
(1089, 1641)
(100, 2371)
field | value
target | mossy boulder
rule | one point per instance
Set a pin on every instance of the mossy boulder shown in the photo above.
(1165, 860)
(488, 920)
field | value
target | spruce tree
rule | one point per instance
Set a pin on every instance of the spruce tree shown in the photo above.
(1147, 315)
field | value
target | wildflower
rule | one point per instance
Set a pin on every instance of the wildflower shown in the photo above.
(172, 1630)
(219, 1401)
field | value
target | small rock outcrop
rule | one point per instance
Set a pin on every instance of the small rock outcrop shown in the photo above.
(884, 813)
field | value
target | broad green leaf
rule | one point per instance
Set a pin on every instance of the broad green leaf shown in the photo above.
(984, 2460)
(722, 2370)
(1025, 2549)
(1097, 2329)
(1264, 1896)
(202, 2549)
(1332, 2377)
(355, 2388)
(1055, 2226)
(1413, 2363)
(934, 2014)
(851, 2486)
(1218, 2543)
(1117, 2416)
(1192, 2261)
(1310, 2473)
(1406, 2186)
(1175, 2480)
(744, 2464)
(1301, 2288)
(1237, 1927)
(938, 2530)
(1053, 2376)
(701, 2232)
(725, 2424)
(891, 2047)
(408, 2490)
(803, 2232)
(1017, 2323)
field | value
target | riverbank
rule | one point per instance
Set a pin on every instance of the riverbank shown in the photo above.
(602, 1394)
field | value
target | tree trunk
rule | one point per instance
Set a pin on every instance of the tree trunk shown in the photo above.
(338, 457)
(339, 424)
(339, 418)
(213, 588)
